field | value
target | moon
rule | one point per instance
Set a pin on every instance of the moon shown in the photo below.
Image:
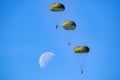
(45, 58)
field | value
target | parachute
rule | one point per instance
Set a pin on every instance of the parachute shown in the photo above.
(56, 16)
(81, 49)
(69, 25)
(57, 7)
(81, 53)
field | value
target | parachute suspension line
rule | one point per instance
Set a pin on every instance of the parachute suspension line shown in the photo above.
(68, 40)
(68, 37)
(81, 61)
(60, 19)
(57, 18)
(77, 64)
(71, 37)
(84, 61)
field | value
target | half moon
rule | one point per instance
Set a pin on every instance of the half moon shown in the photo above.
(45, 58)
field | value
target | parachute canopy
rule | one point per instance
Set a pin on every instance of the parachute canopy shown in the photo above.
(57, 7)
(81, 49)
(69, 25)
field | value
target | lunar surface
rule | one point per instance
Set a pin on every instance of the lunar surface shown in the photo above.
(45, 58)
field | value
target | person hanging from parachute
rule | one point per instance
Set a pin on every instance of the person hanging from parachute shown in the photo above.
(57, 7)
(81, 72)
(69, 43)
(81, 50)
(69, 26)
(56, 27)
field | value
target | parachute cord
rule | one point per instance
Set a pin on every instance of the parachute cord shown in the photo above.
(80, 66)
(60, 18)
(84, 62)
(76, 61)
(68, 40)
(68, 36)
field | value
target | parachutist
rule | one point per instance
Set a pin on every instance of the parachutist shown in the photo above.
(81, 72)
(56, 27)
(68, 43)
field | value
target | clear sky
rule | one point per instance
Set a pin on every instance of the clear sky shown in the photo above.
(27, 29)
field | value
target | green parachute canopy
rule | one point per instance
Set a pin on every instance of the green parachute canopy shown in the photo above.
(69, 25)
(81, 49)
(57, 7)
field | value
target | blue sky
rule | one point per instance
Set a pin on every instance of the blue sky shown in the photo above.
(27, 29)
